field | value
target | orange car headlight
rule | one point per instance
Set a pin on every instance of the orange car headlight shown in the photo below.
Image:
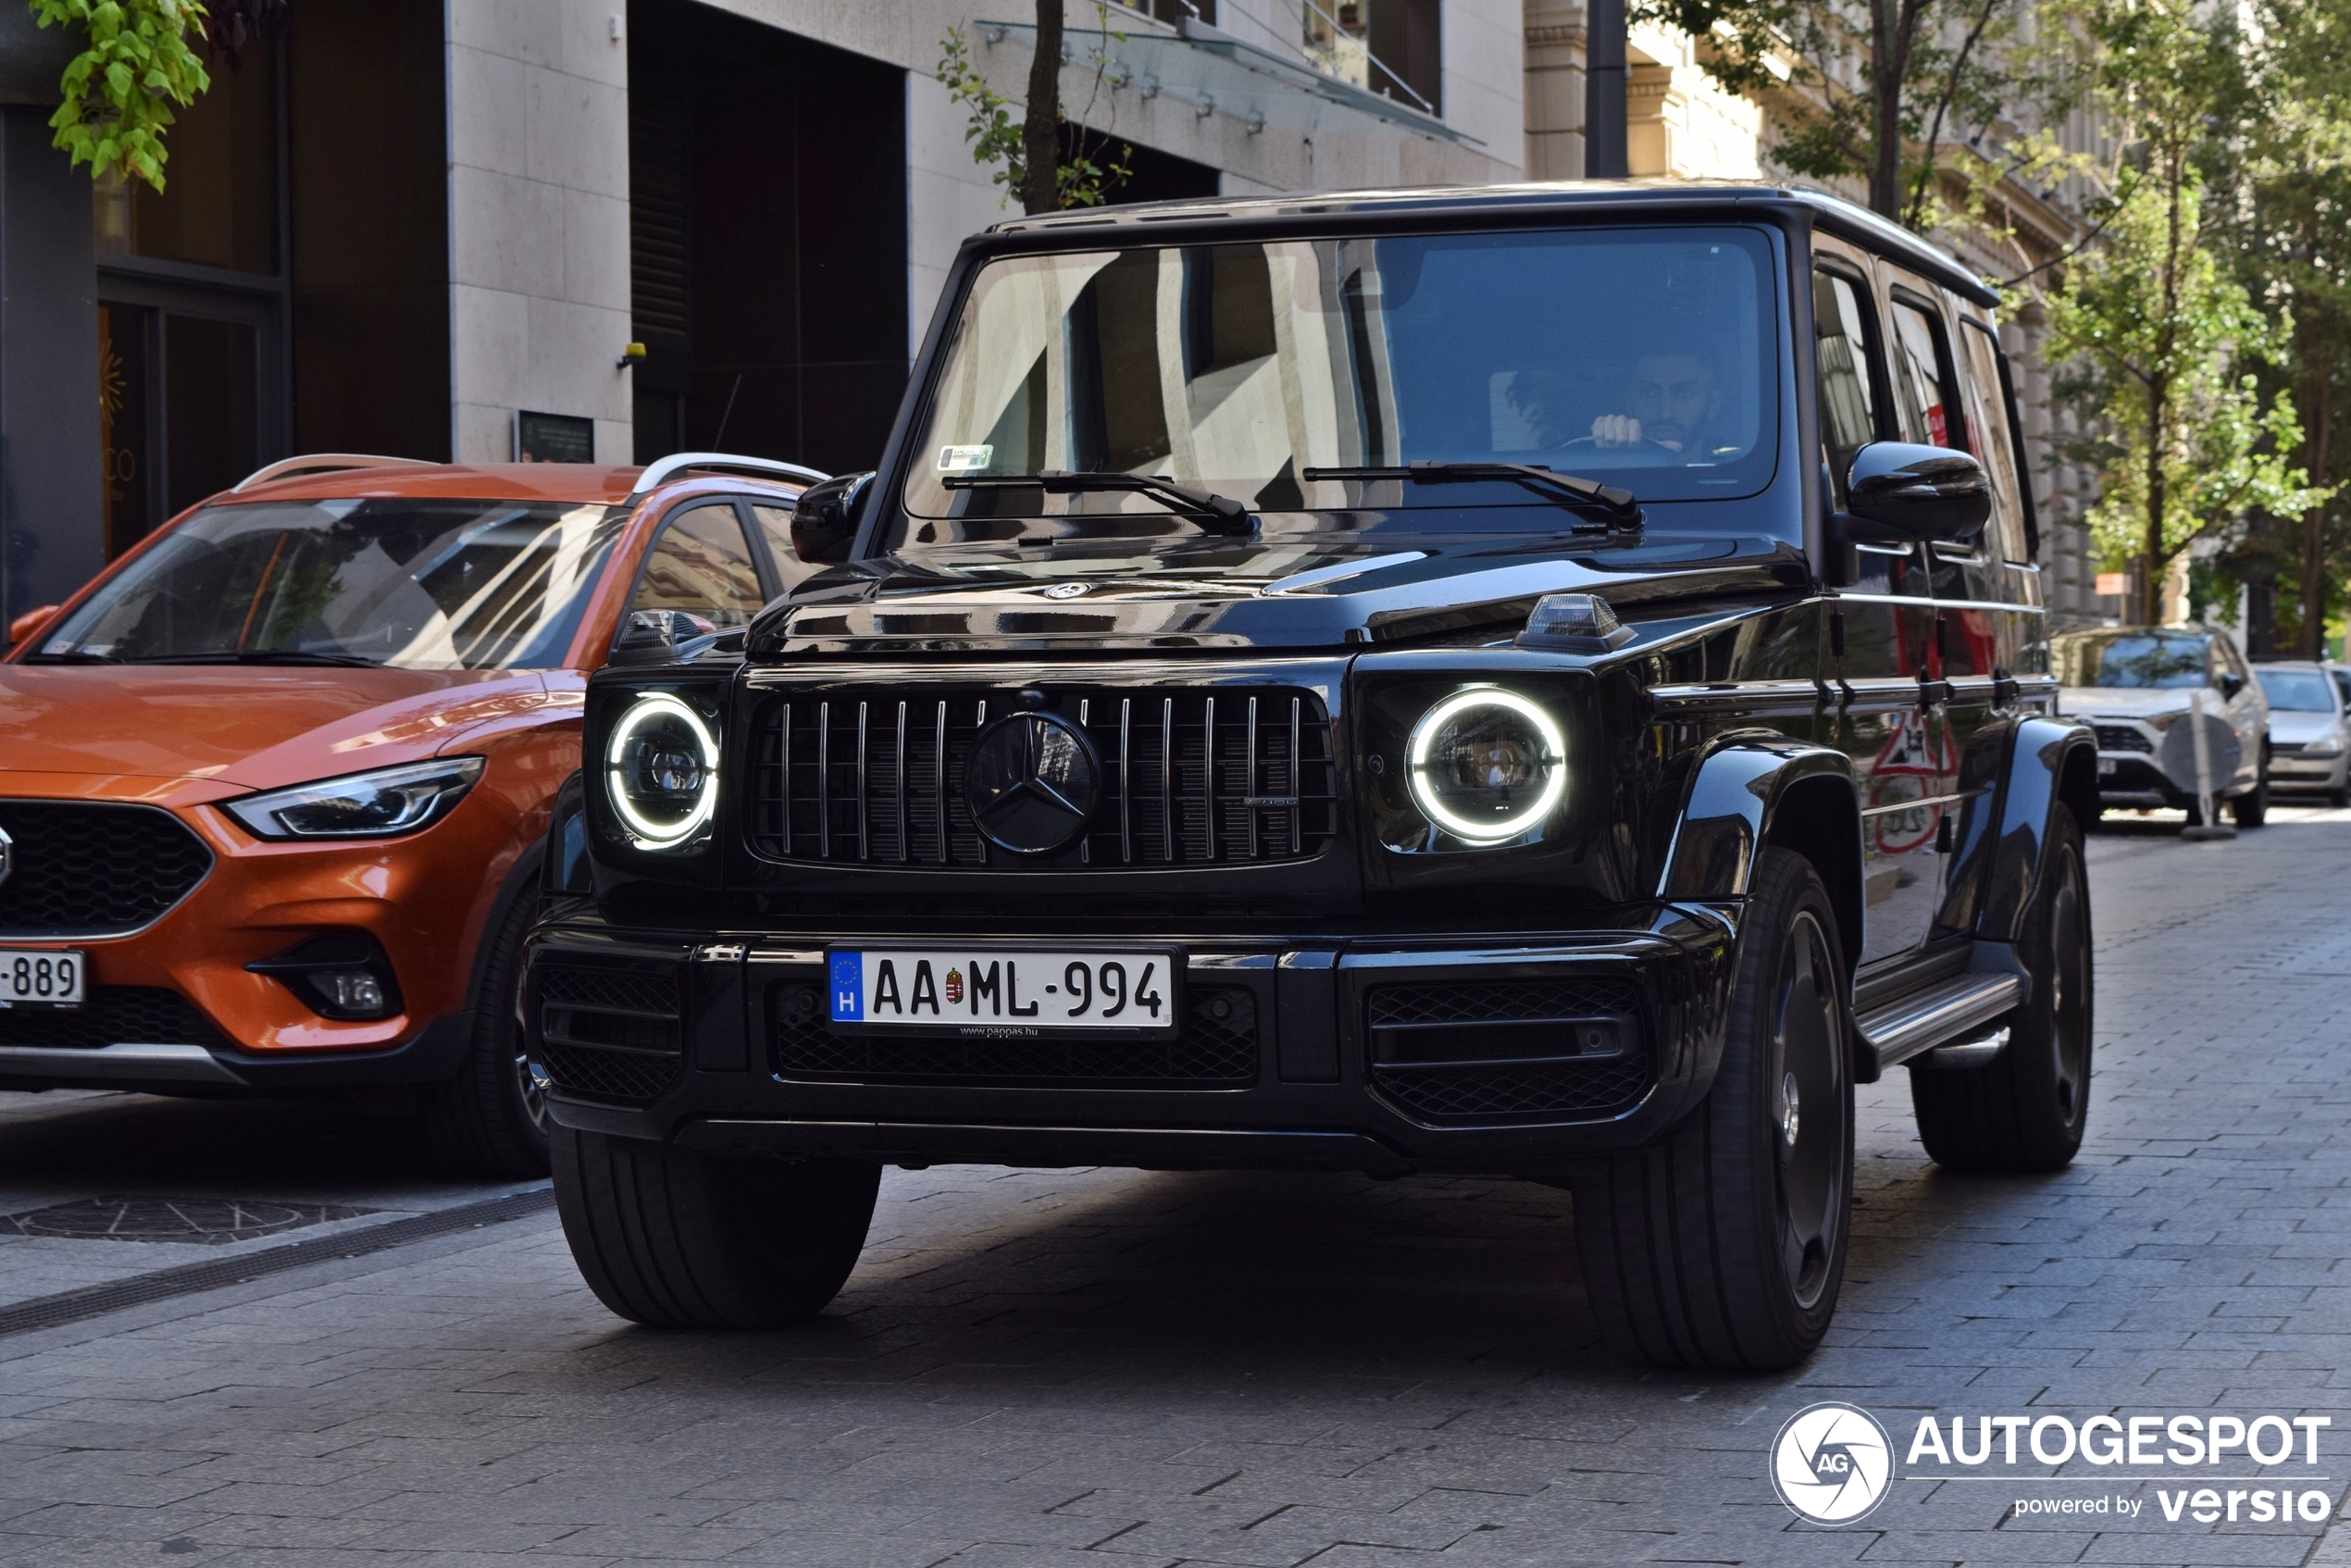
(378, 804)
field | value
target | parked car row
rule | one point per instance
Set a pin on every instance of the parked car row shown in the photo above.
(2276, 726)
(277, 783)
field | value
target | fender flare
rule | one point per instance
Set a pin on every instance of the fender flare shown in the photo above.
(2052, 762)
(1754, 790)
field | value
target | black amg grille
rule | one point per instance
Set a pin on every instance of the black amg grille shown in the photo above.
(2123, 737)
(91, 870)
(1215, 1048)
(113, 1016)
(611, 1034)
(1537, 1019)
(1189, 777)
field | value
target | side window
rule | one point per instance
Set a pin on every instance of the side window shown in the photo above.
(701, 566)
(1924, 401)
(1844, 344)
(1997, 446)
(776, 523)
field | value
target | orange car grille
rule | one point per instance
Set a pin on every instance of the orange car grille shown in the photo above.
(94, 870)
(113, 1016)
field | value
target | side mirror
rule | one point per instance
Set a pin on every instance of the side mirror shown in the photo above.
(2231, 684)
(1927, 492)
(650, 636)
(29, 625)
(824, 521)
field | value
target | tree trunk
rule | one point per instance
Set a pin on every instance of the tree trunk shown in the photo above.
(2151, 584)
(2158, 428)
(1040, 138)
(1885, 92)
(2311, 644)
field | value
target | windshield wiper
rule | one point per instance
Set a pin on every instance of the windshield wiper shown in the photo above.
(1569, 490)
(75, 658)
(1216, 514)
(257, 656)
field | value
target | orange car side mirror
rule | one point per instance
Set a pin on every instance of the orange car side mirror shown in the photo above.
(32, 621)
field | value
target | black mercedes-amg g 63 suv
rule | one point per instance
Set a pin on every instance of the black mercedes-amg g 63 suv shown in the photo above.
(1548, 681)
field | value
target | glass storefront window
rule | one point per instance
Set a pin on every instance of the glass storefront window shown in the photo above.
(219, 206)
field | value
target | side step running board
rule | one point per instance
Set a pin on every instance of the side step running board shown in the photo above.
(1948, 1012)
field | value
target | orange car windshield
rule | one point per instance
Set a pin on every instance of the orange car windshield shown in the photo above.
(416, 584)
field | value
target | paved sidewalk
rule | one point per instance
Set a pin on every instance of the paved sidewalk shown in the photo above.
(1107, 1369)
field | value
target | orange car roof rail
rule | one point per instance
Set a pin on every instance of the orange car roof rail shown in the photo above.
(318, 462)
(663, 469)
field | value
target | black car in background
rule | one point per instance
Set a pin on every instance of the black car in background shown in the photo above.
(1546, 681)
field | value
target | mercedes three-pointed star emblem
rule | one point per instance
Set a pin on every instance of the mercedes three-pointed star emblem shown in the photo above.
(1032, 781)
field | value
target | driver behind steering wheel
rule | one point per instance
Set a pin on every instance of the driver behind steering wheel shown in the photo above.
(1674, 402)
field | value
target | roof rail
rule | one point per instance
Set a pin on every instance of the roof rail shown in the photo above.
(320, 462)
(663, 469)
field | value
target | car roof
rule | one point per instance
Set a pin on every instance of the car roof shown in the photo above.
(1680, 198)
(2311, 665)
(588, 484)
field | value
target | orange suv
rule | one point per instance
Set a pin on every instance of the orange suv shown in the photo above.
(275, 786)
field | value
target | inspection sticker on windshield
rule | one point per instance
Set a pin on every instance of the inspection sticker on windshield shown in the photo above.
(964, 459)
(1005, 993)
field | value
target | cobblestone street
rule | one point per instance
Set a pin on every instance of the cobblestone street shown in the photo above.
(1120, 1369)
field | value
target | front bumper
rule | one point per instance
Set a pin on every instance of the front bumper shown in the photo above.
(174, 1004)
(1289, 1060)
(2292, 770)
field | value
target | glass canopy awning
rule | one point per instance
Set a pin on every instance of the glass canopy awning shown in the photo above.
(1216, 73)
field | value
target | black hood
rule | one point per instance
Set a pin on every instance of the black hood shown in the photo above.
(1306, 585)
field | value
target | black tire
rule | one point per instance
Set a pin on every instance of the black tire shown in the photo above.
(489, 1117)
(2252, 808)
(2339, 799)
(672, 1239)
(1722, 1245)
(2026, 1109)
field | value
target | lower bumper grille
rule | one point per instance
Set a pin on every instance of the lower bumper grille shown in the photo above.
(1215, 1048)
(113, 1016)
(610, 1034)
(1508, 1049)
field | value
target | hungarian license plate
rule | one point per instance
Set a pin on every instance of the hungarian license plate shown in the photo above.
(1003, 992)
(41, 977)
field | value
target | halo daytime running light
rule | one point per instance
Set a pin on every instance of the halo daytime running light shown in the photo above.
(1511, 740)
(661, 771)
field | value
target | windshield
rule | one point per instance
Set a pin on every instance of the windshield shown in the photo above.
(1643, 357)
(2151, 660)
(416, 584)
(2297, 691)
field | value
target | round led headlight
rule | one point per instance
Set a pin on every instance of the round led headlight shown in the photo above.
(661, 771)
(1487, 765)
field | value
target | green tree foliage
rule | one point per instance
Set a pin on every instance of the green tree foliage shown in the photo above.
(1023, 150)
(2161, 336)
(119, 89)
(2282, 182)
(1880, 91)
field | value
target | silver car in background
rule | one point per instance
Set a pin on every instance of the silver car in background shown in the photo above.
(2310, 749)
(2135, 686)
